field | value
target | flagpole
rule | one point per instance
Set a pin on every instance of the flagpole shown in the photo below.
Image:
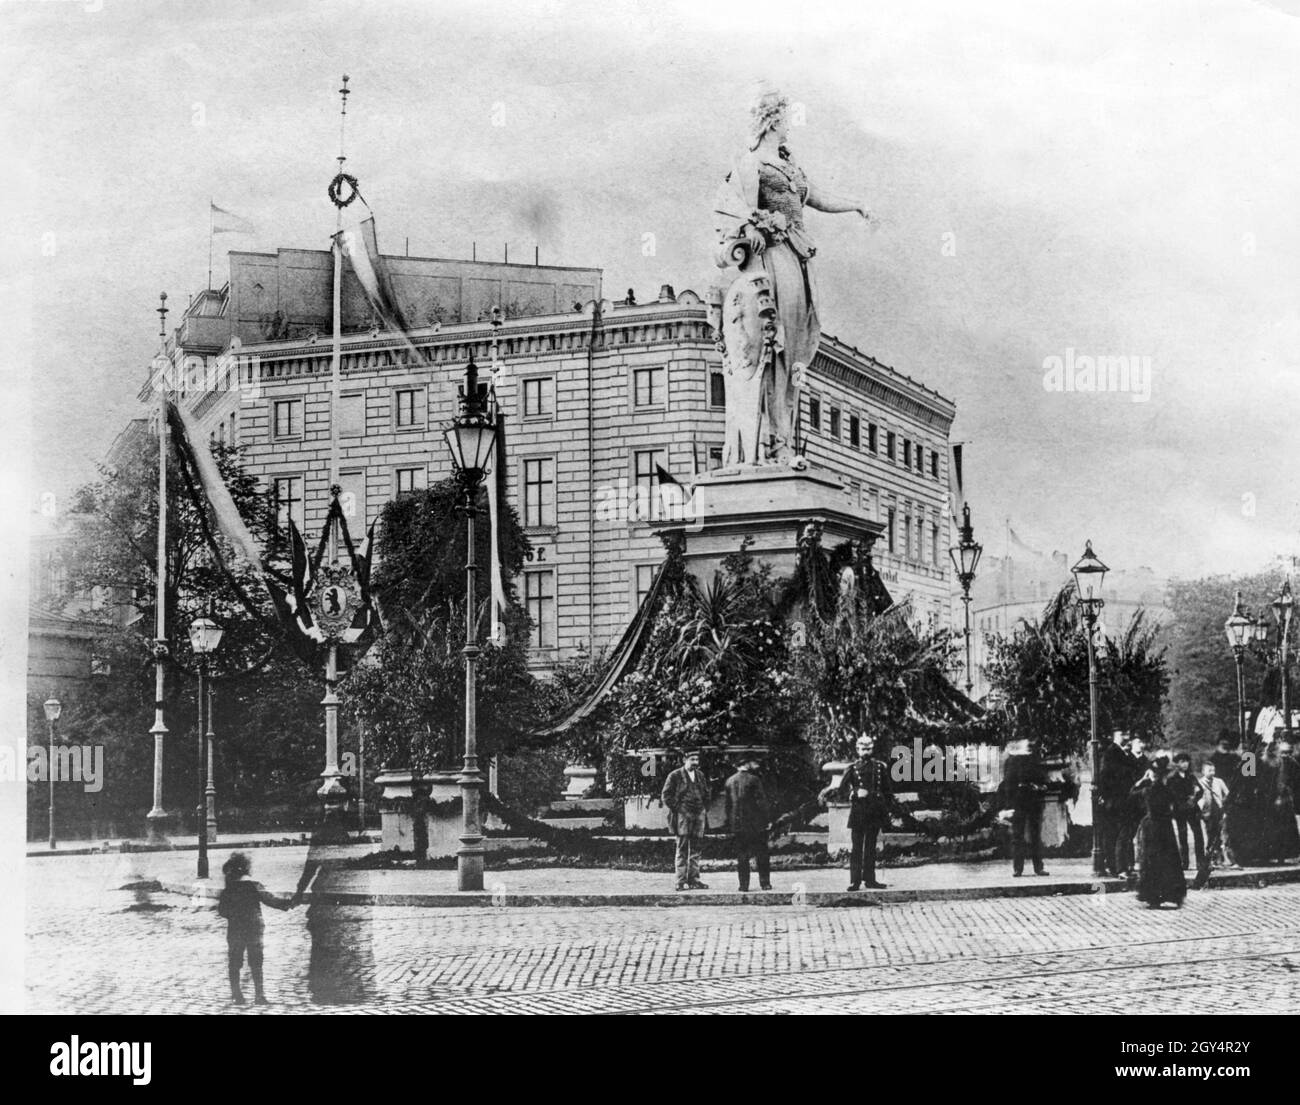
(333, 793)
(157, 816)
(211, 231)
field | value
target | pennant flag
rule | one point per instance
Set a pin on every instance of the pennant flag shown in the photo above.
(361, 248)
(185, 432)
(1019, 544)
(956, 487)
(227, 222)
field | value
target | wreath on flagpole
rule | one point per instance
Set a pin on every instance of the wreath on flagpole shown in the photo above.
(337, 196)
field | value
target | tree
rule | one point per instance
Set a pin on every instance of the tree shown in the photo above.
(265, 751)
(882, 676)
(1040, 674)
(1203, 679)
(410, 692)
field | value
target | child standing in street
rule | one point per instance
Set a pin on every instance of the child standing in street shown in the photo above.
(241, 905)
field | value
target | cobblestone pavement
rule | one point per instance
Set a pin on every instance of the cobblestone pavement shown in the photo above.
(93, 948)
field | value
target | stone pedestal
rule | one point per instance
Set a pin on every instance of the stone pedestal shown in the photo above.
(581, 779)
(443, 816)
(771, 505)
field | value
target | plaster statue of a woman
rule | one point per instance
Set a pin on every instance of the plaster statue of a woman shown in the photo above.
(766, 316)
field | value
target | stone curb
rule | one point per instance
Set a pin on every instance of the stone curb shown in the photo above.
(293, 840)
(819, 899)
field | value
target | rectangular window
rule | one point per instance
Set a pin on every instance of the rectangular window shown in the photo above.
(855, 431)
(920, 459)
(872, 443)
(835, 423)
(352, 415)
(934, 463)
(889, 445)
(289, 504)
(907, 453)
(408, 408)
(539, 491)
(643, 577)
(352, 500)
(648, 387)
(893, 547)
(814, 413)
(934, 545)
(717, 390)
(539, 603)
(715, 457)
(234, 429)
(907, 531)
(286, 419)
(646, 465)
(406, 480)
(920, 538)
(875, 505)
(539, 397)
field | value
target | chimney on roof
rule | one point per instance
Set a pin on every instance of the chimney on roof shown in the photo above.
(666, 294)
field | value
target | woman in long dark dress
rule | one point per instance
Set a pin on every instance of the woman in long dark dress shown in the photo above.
(1160, 867)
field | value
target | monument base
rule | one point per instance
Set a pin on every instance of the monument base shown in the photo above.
(771, 505)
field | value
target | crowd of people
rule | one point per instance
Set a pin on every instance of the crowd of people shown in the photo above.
(1238, 809)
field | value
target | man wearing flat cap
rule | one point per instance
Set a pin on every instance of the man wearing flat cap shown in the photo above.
(686, 795)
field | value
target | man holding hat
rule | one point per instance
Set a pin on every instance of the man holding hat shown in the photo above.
(748, 817)
(686, 795)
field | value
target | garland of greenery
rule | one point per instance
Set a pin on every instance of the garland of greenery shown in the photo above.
(943, 827)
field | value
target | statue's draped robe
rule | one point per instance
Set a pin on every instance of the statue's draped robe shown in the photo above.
(757, 184)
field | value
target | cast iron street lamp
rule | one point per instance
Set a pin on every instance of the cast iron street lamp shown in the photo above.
(210, 791)
(1240, 628)
(471, 439)
(965, 559)
(1089, 574)
(1282, 611)
(53, 708)
(205, 636)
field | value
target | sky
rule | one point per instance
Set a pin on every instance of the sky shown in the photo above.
(1049, 180)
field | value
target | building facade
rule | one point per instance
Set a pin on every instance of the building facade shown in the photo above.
(607, 407)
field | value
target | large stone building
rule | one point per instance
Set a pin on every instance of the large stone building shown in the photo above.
(601, 398)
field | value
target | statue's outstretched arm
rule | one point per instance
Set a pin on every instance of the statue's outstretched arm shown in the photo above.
(819, 199)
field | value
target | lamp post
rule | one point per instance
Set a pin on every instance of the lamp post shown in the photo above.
(53, 708)
(1089, 573)
(205, 636)
(210, 791)
(1282, 606)
(471, 439)
(965, 558)
(1240, 629)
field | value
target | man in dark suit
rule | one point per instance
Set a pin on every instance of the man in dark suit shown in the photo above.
(1184, 793)
(1226, 760)
(1024, 792)
(867, 788)
(1132, 809)
(686, 794)
(1112, 796)
(748, 817)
